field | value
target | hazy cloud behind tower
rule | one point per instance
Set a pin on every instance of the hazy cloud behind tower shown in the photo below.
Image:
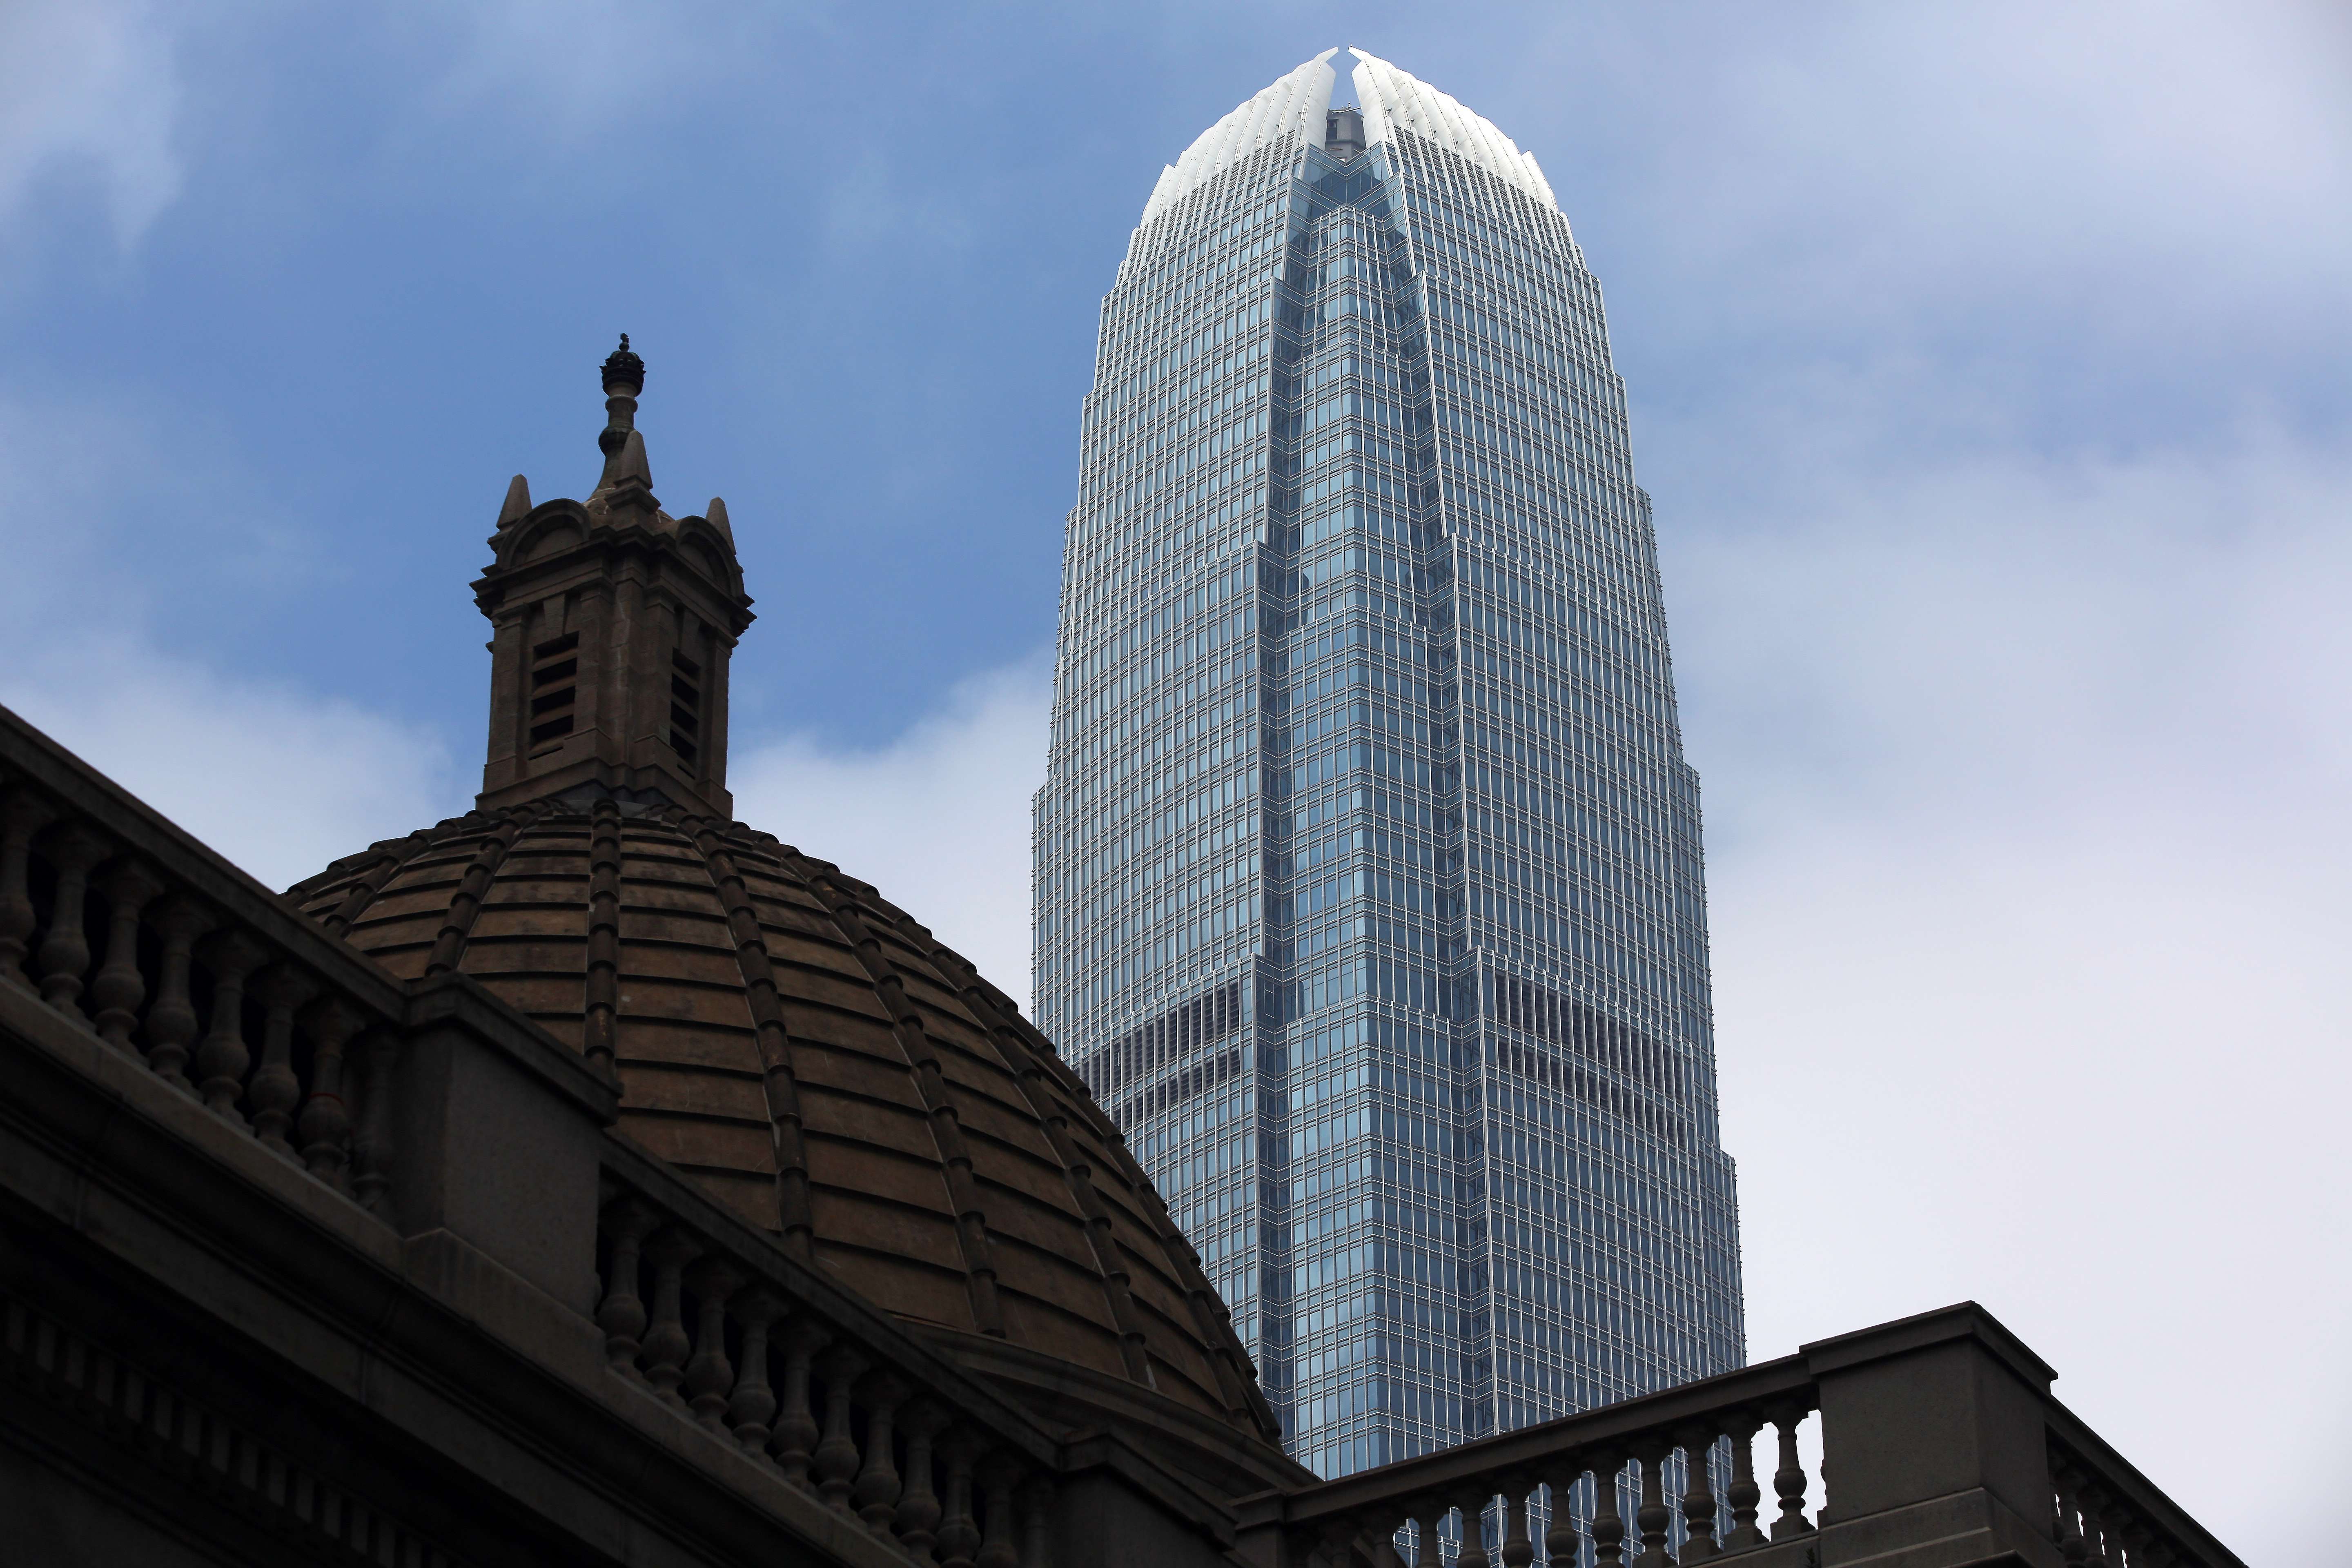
(1370, 888)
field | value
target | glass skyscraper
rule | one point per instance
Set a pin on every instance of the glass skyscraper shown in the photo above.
(1368, 888)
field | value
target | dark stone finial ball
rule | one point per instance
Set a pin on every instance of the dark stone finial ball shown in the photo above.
(623, 368)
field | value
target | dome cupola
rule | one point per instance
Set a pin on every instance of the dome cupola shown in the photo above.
(612, 627)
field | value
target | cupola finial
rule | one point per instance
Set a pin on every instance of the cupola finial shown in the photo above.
(625, 377)
(624, 368)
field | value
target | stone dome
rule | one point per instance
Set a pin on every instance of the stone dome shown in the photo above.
(803, 1048)
(825, 1068)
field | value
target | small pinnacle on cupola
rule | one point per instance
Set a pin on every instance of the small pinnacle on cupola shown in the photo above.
(631, 462)
(517, 502)
(717, 516)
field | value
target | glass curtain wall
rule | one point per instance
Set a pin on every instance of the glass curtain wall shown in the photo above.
(1369, 882)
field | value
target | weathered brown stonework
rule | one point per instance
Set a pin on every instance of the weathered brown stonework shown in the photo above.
(592, 1180)
(612, 625)
(816, 1059)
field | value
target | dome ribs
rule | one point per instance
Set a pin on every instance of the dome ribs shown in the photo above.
(1053, 1116)
(955, 1156)
(1051, 1099)
(601, 1036)
(1238, 1381)
(817, 1061)
(1236, 1376)
(390, 857)
(530, 941)
(1210, 1320)
(783, 1089)
(449, 946)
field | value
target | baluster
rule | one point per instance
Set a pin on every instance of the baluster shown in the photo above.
(797, 1429)
(2067, 1527)
(918, 1516)
(710, 1376)
(275, 1090)
(959, 1533)
(75, 851)
(1518, 1547)
(2096, 1538)
(622, 1313)
(1789, 1481)
(752, 1405)
(222, 1058)
(2139, 1544)
(1335, 1541)
(325, 1124)
(1471, 1550)
(371, 1150)
(2116, 1534)
(836, 1459)
(1560, 1538)
(876, 1495)
(1036, 1499)
(22, 814)
(172, 1021)
(996, 1540)
(118, 987)
(1650, 1515)
(1698, 1498)
(1608, 1516)
(666, 1344)
(1743, 1493)
(2087, 1536)
(1428, 1534)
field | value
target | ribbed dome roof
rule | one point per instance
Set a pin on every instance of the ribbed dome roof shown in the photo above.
(779, 1031)
(823, 1066)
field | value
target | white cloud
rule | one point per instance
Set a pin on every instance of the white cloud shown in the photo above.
(278, 780)
(1985, 369)
(2027, 850)
(1990, 183)
(937, 819)
(88, 88)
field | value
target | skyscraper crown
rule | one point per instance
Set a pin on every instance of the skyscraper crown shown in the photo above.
(1300, 104)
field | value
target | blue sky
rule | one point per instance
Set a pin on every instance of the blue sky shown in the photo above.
(1987, 364)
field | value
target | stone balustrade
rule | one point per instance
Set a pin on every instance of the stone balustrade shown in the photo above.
(125, 927)
(428, 1103)
(1599, 1489)
(449, 1179)
(1939, 1440)
(718, 1323)
(2105, 1514)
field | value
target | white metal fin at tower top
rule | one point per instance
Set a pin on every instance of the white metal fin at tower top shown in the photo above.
(1295, 103)
(1389, 96)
